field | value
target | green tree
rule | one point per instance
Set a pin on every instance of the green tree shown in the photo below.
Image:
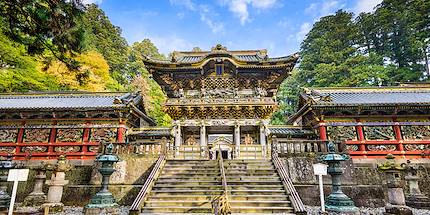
(18, 70)
(151, 91)
(104, 37)
(44, 25)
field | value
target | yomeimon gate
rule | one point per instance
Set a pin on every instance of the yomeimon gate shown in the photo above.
(221, 98)
(221, 154)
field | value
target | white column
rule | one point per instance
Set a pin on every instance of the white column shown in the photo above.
(178, 136)
(263, 139)
(203, 135)
(237, 139)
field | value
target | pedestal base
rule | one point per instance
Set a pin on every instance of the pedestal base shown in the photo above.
(97, 211)
(340, 203)
(101, 201)
(418, 201)
(34, 200)
(397, 210)
(53, 207)
(4, 200)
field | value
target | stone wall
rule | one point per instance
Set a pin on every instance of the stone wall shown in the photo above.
(84, 181)
(361, 179)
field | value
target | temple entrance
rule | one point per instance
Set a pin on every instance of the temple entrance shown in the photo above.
(224, 154)
(221, 143)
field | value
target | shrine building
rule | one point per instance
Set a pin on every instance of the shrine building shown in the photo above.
(221, 150)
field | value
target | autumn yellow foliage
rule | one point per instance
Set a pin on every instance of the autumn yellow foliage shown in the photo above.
(92, 75)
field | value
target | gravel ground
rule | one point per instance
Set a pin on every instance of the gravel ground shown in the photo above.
(366, 211)
(68, 210)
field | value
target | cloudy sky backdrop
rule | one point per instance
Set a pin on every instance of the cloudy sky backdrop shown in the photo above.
(277, 25)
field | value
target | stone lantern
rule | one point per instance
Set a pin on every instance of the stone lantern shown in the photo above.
(5, 166)
(104, 200)
(396, 198)
(415, 198)
(56, 184)
(37, 197)
(337, 201)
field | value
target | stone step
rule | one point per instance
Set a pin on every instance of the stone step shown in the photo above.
(256, 191)
(187, 186)
(191, 174)
(252, 182)
(193, 178)
(188, 197)
(193, 168)
(190, 182)
(252, 209)
(177, 209)
(254, 178)
(260, 203)
(251, 187)
(280, 197)
(247, 173)
(185, 192)
(174, 203)
(190, 188)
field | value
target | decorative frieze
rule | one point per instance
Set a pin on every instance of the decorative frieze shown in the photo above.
(34, 149)
(67, 149)
(381, 147)
(104, 135)
(8, 135)
(341, 133)
(69, 135)
(416, 147)
(415, 132)
(36, 135)
(7, 149)
(379, 133)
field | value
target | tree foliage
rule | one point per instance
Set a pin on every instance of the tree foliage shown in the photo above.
(44, 25)
(104, 37)
(387, 46)
(152, 93)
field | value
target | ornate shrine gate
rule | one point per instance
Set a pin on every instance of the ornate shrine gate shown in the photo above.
(220, 98)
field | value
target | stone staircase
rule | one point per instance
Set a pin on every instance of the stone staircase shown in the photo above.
(185, 186)
(189, 186)
(255, 187)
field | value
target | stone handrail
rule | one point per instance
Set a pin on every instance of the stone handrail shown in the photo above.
(285, 147)
(149, 183)
(296, 201)
(221, 204)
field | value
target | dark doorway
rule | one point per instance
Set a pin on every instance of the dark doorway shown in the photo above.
(224, 154)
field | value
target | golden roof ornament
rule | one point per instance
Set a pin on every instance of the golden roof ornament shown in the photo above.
(219, 48)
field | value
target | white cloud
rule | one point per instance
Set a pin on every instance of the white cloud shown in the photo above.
(324, 8)
(304, 29)
(240, 7)
(365, 5)
(171, 43)
(92, 1)
(186, 3)
(204, 12)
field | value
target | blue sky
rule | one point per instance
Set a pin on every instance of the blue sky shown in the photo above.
(276, 25)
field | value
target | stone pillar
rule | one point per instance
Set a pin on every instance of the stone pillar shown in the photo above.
(396, 198)
(203, 136)
(237, 140)
(37, 197)
(263, 139)
(56, 185)
(178, 136)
